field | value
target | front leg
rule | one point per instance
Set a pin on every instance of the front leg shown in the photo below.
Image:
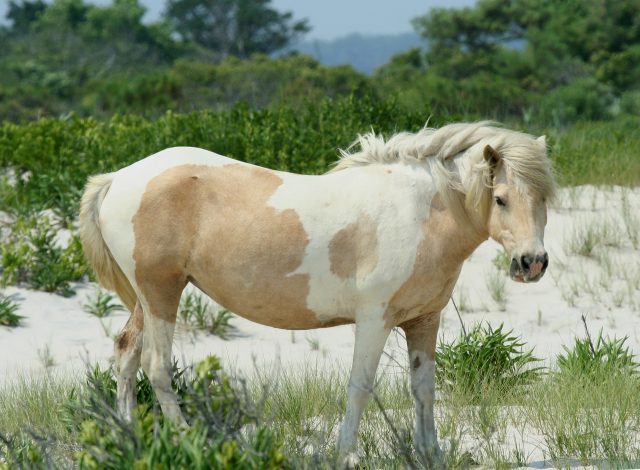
(421, 336)
(371, 336)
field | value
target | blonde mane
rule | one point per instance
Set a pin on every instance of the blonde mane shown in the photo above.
(468, 189)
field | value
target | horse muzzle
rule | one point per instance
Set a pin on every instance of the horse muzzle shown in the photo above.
(529, 268)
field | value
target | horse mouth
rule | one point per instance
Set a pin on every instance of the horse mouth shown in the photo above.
(533, 274)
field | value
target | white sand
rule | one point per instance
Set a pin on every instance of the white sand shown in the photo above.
(547, 315)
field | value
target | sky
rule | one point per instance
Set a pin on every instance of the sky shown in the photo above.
(331, 19)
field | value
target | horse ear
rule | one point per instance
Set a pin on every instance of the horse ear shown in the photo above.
(542, 139)
(491, 155)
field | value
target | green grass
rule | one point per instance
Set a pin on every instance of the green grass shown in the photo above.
(602, 356)
(496, 285)
(502, 261)
(592, 418)
(102, 304)
(31, 256)
(569, 414)
(586, 238)
(36, 402)
(599, 153)
(198, 313)
(8, 309)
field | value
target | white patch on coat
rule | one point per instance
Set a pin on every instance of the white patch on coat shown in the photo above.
(396, 197)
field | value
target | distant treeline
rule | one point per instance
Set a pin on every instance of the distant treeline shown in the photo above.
(575, 60)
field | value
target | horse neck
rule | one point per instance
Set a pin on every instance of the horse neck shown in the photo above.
(456, 234)
(459, 238)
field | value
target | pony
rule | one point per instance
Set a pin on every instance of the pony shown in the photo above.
(378, 241)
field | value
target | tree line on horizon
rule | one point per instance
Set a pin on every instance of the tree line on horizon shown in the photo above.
(540, 61)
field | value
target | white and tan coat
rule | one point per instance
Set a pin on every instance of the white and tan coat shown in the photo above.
(378, 242)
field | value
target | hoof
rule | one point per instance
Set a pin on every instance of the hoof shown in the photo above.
(432, 457)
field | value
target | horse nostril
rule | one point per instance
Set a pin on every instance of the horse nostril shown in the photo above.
(525, 262)
(545, 261)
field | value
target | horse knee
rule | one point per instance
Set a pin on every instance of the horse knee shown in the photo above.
(358, 395)
(127, 352)
(159, 374)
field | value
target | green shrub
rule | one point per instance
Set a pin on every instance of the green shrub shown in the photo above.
(223, 432)
(197, 312)
(630, 103)
(8, 309)
(102, 304)
(484, 357)
(52, 158)
(584, 99)
(605, 356)
(30, 255)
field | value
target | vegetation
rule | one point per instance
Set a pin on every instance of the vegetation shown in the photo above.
(291, 421)
(485, 358)
(102, 304)
(220, 415)
(545, 63)
(121, 89)
(47, 162)
(234, 27)
(197, 312)
(32, 255)
(552, 61)
(8, 309)
(608, 356)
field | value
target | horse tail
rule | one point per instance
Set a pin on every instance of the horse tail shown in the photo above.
(95, 249)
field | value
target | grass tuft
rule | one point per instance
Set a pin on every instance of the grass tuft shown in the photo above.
(8, 309)
(195, 311)
(496, 284)
(604, 357)
(102, 304)
(485, 358)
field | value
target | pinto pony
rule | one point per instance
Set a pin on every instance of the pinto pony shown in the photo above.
(379, 241)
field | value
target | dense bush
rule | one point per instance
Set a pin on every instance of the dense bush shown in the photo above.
(223, 433)
(32, 255)
(484, 357)
(582, 100)
(52, 158)
(593, 359)
(47, 162)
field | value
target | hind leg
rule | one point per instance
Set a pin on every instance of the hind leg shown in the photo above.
(128, 347)
(160, 309)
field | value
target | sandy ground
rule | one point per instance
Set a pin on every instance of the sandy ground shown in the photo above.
(605, 287)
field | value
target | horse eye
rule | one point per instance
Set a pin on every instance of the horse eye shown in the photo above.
(500, 201)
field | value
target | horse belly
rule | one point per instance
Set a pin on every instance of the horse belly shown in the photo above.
(246, 254)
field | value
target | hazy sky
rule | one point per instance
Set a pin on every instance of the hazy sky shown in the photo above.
(331, 19)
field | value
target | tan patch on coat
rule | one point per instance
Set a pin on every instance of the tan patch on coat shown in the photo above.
(353, 251)
(213, 226)
(439, 258)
